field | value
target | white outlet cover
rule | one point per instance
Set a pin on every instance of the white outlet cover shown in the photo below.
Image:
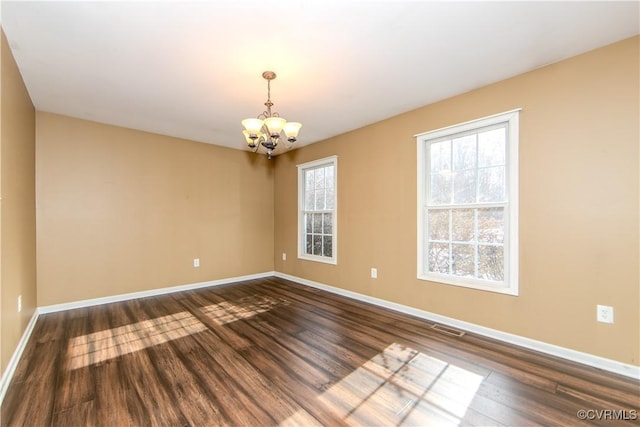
(604, 313)
(374, 273)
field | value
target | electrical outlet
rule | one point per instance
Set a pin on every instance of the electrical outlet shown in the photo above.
(19, 303)
(374, 273)
(196, 262)
(604, 313)
(284, 256)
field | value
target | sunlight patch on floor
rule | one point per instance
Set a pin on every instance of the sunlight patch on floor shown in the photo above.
(97, 347)
(227, 312)
(401, 386)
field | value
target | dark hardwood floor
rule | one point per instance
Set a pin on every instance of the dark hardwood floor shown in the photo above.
(271, 352)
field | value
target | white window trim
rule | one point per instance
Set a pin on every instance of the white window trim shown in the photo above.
(301, 250)
(511, 230)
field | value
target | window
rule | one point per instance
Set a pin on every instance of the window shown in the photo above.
(317, 202)
(468, 204)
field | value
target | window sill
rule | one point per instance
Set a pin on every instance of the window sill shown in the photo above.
(323, 260)
(471, 284)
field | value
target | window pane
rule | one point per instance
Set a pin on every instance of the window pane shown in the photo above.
(319, 200)
(327, 224)
(327, 246)
(319, 178)
(439, 257)
(465, 187)
(308, 179)
(462, 260)
(464, 153)
(440, 155)
(317, 245)
(462, 225)
(328, 176)
(330, 203)
(491, 148)
(308, 244)
(307, 223)
(491, 225)
(317, 223)
(439, 224)
(492, 184)
(440, 191)
(491, 262)
(309, 199)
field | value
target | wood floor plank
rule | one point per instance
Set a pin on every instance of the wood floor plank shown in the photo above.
(205, 356)
(44, 332)
(269, 352)
(547, 410)
(81, 414)
(274, 401)
(141, 375)
(107, 375)
(296, 349)
(594, 402)
(195, 302)
(502, 413)
(304, 393)
(197, 406)
(75, 387)
(569, 372)
(478, 419)
(197, 363)
(38, 386)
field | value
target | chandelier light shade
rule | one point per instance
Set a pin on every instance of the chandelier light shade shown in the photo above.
(266, 130)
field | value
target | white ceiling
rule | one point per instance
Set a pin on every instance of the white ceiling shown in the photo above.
(193, 69)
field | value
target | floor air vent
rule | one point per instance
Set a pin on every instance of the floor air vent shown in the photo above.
(448, 331)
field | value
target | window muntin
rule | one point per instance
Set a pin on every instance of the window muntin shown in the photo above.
(317, 184)
(468, 204)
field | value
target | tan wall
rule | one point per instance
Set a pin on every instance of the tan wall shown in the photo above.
(17, 211)
(122, 211)
(579, 189)
(3, 46)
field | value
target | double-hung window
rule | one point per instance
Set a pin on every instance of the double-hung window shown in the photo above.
(317, 214)
(468, 204)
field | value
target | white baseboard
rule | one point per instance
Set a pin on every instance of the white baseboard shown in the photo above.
(153, 292)
(7, 375)
(614, 366)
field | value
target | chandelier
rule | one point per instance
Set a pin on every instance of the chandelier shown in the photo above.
(267, 129)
